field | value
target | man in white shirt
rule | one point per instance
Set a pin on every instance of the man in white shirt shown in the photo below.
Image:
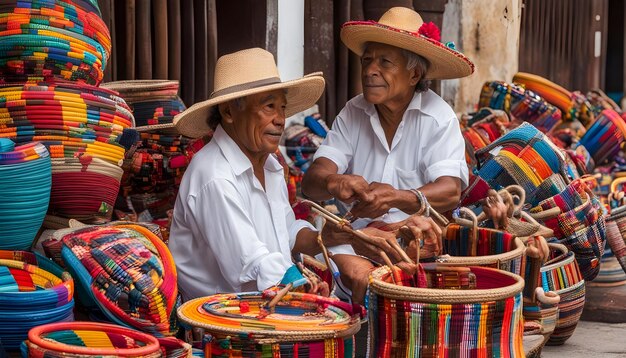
(233, 229)
(396, 149)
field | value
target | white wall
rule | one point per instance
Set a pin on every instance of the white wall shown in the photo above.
(290, 46)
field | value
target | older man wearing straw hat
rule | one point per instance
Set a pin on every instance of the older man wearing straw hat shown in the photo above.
(396, 149)
(233, 229)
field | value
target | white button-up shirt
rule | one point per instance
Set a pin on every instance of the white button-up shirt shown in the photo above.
(427, 145)
(228, 234)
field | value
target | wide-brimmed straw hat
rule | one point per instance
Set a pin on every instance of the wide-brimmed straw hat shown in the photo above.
(404, 28)
(244, 73)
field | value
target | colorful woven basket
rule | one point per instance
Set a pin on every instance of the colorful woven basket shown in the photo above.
(603, 140)
(84, 188)
(521, 104)
(573, 105)
(25, 181)
(562, 275)
(49, 40)
(467, 244)
(576, 217)
(33, 291)
(424, 322)
(303, 325)
(524, 157)
(89, 339)
(127, 272)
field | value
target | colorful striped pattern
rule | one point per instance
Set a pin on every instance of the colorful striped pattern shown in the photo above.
(62, 40)
(562, 275)
(603, 140)
(127, 271)
(33, 291)
(520, 104)
(89, 339)
(300, 325)
(413, 327)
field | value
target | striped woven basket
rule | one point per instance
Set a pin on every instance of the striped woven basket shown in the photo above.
(89, 339)
(126, 272)
(562, 275)
(33, 291)
(455, 322)
(467, 244)
(300, 325)
(576, 217)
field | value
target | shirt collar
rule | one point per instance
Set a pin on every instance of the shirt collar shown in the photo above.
(416, 104)
(235, 157)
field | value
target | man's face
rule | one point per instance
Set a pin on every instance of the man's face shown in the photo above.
(384, 74)
(259, 126)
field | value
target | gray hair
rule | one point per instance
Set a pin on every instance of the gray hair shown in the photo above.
(420, 63)
(215, 117)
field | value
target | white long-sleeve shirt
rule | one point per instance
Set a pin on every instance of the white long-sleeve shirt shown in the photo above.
(228, 234)
(427, 145)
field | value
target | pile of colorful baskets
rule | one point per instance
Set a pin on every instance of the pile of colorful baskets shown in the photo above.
(520, 104)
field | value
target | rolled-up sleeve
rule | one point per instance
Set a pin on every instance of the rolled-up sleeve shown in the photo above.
(337, 145)
(241, 256)
(446, 154)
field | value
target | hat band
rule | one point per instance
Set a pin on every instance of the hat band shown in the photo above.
(245, 86)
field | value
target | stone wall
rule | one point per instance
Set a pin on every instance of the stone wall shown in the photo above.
(487, 31)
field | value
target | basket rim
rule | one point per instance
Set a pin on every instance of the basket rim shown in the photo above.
(444, 296)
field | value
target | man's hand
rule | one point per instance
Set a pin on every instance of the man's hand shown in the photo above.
(381, 197)
(347, 187)
(417, 229)
(495, 209)
(385, 240)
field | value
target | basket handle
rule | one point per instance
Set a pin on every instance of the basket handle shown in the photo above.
(616, 182)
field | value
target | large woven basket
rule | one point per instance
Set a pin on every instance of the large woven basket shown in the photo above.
(425, 322)
(301, 324)
(126, 272)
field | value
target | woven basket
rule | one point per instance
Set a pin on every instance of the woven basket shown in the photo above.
(89, 339)
(562, 275)
(580, 227)
(237, 325)
(33, 291)
(410, 321)
(126, 272)
(467, 244)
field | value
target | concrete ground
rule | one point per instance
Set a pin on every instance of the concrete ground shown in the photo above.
(591, 340)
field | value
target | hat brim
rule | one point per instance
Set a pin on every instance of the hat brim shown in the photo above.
(301, 94)
(445, 63)
(166, 129)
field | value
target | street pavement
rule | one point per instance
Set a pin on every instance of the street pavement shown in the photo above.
(591, 340)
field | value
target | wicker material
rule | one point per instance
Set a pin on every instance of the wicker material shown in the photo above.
(89, 339)
(239, 324)
(411, 321)
(127, 272)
